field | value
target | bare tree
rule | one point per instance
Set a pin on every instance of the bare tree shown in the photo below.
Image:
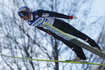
(98, 67)
(18, 39)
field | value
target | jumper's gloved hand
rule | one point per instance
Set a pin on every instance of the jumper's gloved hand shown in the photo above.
(73, 17)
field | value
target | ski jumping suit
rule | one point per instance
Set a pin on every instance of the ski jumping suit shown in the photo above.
(41, 16)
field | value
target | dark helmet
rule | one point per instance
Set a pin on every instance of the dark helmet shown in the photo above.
(24, 11)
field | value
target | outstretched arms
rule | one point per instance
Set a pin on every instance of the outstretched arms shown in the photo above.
(45, 13)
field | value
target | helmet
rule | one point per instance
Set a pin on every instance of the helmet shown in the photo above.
(24, 11)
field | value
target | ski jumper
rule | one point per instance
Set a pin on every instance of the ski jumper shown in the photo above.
(40, 17)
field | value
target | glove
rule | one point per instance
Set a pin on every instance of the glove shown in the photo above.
(72, 17)
(49, 33)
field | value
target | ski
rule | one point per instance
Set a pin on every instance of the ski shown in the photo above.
(74, 62)
(74, 40)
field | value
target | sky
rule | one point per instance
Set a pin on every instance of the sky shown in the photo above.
(99, 7)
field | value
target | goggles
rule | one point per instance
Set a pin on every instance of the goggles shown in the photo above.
(22, 14)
